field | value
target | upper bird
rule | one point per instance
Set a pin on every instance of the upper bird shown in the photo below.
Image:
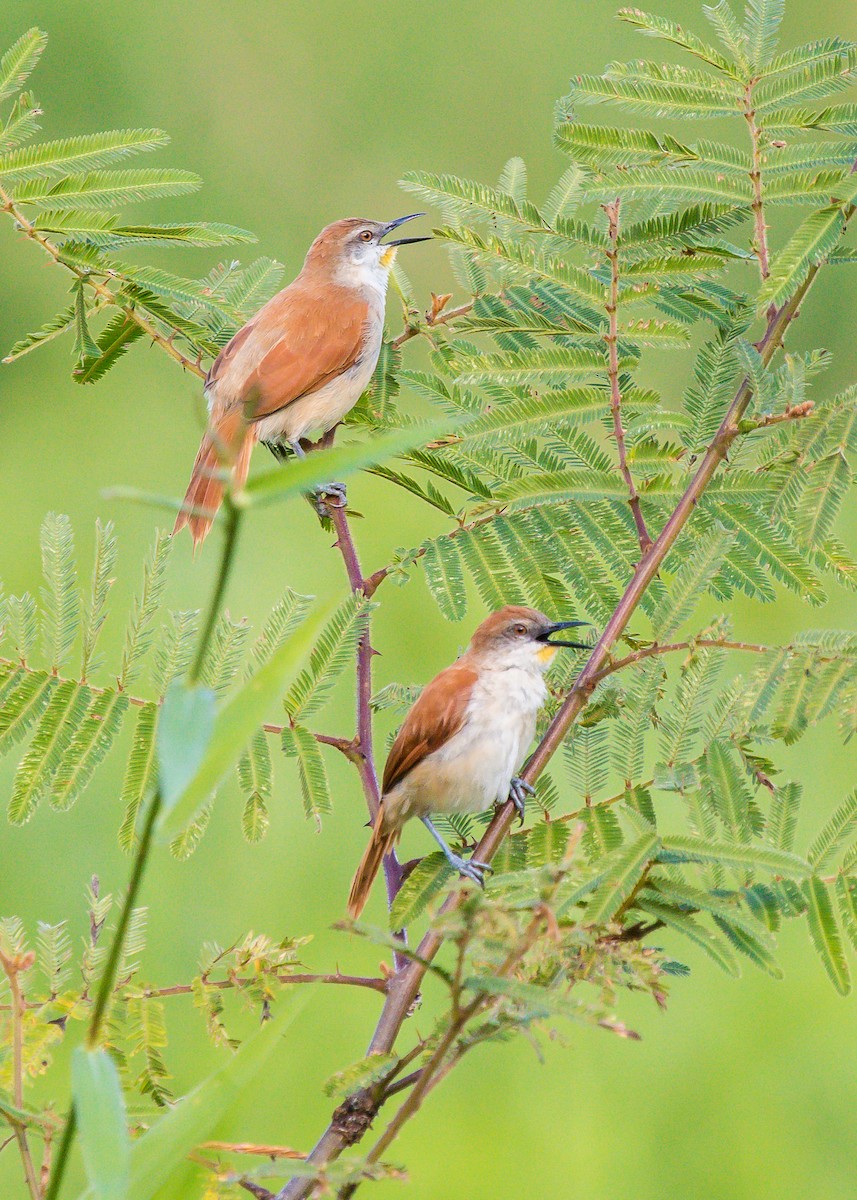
(466, 736)
(300, 364)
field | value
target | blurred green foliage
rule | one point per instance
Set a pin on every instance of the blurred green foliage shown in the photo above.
(296, 115)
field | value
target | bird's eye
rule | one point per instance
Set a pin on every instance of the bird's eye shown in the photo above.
(519, 630)
(366, 235)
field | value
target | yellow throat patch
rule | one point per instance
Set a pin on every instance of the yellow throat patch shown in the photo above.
(546, 654)
(389, 256)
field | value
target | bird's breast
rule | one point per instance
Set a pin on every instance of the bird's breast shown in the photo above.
(473, 769)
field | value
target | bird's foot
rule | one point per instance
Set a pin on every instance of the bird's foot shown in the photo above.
(519, 789)
(327, 496)
(470, 867)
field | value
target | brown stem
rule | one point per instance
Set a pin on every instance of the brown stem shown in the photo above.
(12, 966)
(365, 756)
(761, 229)
(432, 319)
(404, 986)
(612, 340)
(619, 664)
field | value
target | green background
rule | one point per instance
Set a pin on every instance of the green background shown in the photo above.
(297, 114)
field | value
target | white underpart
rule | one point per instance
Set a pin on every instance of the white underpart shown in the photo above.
(475, 767)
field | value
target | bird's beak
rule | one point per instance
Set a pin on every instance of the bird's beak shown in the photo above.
(555, 628)
(400, 221)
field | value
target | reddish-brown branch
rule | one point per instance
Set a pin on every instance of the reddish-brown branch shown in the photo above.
(364, 755)
(612, 340)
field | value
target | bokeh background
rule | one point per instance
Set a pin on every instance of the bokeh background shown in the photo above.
(296, 114)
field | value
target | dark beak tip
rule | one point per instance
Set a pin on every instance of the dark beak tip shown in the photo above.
(391, 225)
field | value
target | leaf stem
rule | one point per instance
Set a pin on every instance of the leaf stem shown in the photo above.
(612, 340)
(232, 520)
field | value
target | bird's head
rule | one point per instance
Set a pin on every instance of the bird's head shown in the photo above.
(355, 245)
(516, 636)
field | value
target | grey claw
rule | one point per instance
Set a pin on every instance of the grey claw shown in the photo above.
(476, 870)
(327, 496)
(519, 789)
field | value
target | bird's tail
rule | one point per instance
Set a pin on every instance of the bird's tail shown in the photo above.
(382, 841)
(228, 441)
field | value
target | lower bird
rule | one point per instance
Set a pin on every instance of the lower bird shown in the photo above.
(464, 739)
(299, 365)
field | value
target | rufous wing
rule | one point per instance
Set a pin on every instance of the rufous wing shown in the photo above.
(304, 337)
(436, 716)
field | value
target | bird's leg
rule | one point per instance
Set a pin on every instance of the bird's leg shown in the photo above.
(321, 495)
(470, 867)
(519, 789)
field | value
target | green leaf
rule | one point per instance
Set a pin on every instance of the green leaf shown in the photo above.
(158, 1155)
(87, 153)
(442, 566)
(834, 835)
(726, 789)
(826, 487)
(113, 341)
(138, 637)
(85, 346)
(255, 776)
(762, 22)
(427, 880)
(659, 90)
(299, 743)
(624, 872)
(717, 948)
(691, 580)
(60, 597)
(23, 705)
(681, 848)
(824, 933)
(333, 651)
(809, 245)
(102, 580)
(19, 60)
(669, 31)
(57, 325)
(100, 1110)
(185, 731)
(467, 200)
(238, 719)
(139, 774)
(319, 468)
(48, 749)
(106, 189)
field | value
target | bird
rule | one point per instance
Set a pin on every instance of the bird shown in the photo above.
(299, 365)
(465, 737)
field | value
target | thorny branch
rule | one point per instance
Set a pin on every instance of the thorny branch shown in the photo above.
(404, 986)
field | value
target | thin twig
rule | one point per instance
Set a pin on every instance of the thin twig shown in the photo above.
(365, 756)
(761, 229)
(612, 340)
(13, 966)
(431, 320)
